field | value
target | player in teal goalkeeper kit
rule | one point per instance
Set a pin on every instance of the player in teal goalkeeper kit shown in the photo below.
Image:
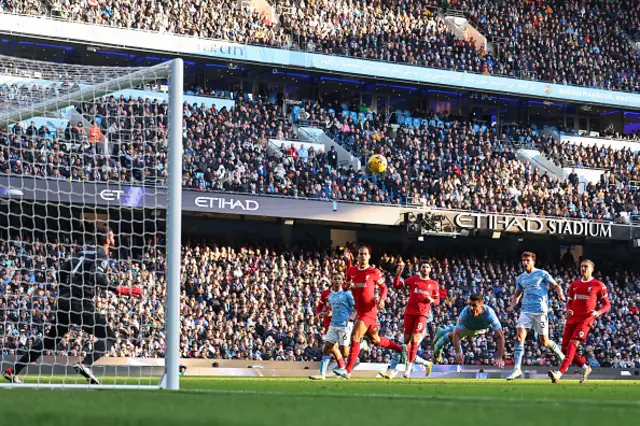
(475, 319)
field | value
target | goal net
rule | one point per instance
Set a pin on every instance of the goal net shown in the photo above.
(86, 149)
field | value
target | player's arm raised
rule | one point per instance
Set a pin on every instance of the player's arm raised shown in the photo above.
(398, 282)
(604, 298)
(322, 304)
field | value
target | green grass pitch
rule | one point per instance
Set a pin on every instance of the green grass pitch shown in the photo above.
(284, 401)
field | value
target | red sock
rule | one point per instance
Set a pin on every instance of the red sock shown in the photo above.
(353, 356)
(386, 343)
(340, 362)
(580, 361)
(413, 351)
(568, 358)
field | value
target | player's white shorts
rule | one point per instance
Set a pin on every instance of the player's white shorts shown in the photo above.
(537, 322)
(339, 335)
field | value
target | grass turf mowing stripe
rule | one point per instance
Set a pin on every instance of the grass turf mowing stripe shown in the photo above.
(425, 397)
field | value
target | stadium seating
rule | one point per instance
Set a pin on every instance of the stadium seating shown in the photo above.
(573, 42)
(442, 161)
(576, 42)
(257, 302)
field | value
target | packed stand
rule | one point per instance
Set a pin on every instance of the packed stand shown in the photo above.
(618, 184)
(226, 19)
(258, 303)
(590, 157)
(533, 39)
(451, 163)
(447, 163)
(381, 30)
(577, 42)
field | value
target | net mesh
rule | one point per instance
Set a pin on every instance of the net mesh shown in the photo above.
(82, 147)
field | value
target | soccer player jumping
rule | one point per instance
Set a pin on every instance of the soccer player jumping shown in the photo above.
(583, 297)
(533, 286)
(77, 282)
(363, 280)
(475, 319)
(341, 305)
(423, 292)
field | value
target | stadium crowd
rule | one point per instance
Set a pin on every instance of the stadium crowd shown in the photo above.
(579, 42)
(447, 163)
(258, 302)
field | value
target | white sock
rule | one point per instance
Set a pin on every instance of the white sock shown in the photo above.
(556, 349)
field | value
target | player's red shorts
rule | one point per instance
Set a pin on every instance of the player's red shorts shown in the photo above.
(576, 331)
(370, 319)
(414, 324)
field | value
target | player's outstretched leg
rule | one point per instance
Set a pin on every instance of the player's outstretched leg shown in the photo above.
(570, 356)
(95, 324)
(49, 342)
(391, 370)
(550, 344)
(441, 342)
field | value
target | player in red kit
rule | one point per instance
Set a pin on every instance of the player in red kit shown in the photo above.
(324, 313)
(583, 297)
(363, 280)
(423, 292)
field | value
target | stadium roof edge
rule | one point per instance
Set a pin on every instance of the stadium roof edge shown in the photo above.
(50, 29)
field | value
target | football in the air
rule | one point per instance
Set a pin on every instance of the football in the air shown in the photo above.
(377, 163)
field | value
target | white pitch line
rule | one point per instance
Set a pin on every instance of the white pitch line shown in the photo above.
(426, 397)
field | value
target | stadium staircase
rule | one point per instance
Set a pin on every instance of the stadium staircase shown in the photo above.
(315, 135)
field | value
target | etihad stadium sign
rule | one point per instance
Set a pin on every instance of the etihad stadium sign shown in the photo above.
(533, 225)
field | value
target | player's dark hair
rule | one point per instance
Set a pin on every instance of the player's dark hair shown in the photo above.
(425, 262)
(102, 232)
(590, 262)
(528, 254)
(475, 297)
(365, 246)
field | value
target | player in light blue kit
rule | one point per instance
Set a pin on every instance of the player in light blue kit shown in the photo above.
(533, 287)
(341, 304)
(475, 319)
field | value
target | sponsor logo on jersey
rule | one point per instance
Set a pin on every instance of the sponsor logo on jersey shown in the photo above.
(420, 291)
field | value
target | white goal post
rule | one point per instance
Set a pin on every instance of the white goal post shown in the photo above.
(84, 149)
